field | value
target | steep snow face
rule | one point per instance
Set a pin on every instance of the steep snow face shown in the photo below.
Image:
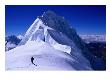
(36, 31)
(39, 32)
(45, 58)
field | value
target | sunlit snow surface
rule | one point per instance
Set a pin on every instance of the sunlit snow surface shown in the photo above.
(47, 52)
(45, 57)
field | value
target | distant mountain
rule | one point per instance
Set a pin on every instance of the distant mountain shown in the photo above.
(12, 41)
(51, 44)
(93, 38)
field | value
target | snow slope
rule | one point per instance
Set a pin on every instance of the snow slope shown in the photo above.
(52, 44)
(45, 57)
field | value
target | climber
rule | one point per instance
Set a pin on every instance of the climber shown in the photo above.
(32, 59)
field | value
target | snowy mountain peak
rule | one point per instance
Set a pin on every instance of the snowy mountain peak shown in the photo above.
(43, 24)
(53, 44)
(49, 13)
(40, 32)
(55, 31)
(54, 21)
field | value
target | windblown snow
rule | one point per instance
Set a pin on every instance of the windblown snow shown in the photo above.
(51, 50)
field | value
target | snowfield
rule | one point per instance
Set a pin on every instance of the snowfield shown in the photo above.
(47, 48)
(45, 57)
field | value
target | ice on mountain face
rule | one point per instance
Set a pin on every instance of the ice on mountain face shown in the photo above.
(56, 45)
(56, 22)
(52, 44)
(40, 32)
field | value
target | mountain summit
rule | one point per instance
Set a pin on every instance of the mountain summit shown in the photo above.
(51, 44)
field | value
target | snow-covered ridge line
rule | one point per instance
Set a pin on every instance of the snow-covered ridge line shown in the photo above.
(37, 25)
(38, 32)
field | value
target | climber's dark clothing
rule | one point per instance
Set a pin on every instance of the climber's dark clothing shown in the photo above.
(32, 59)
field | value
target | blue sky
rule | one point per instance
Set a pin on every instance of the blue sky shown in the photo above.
(85, 19)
